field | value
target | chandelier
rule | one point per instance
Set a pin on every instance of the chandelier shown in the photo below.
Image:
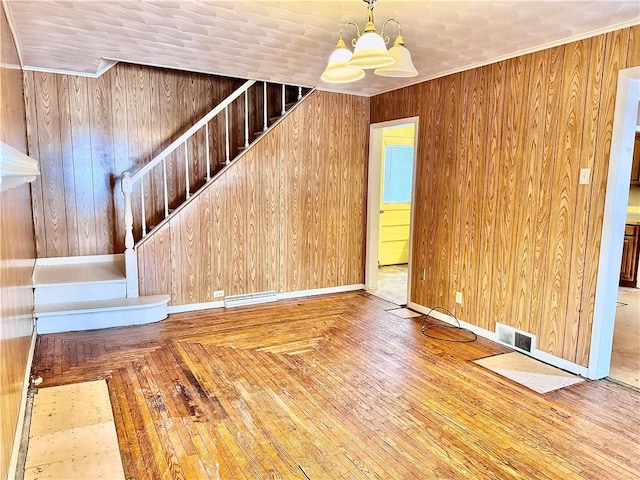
(370, 52)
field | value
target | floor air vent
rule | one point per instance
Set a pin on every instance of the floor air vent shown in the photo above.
(523, 341)
(249, 299)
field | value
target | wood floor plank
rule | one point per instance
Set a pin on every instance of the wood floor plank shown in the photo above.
(335, 387)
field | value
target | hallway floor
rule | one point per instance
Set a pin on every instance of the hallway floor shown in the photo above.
(392, 284)
(625, 357)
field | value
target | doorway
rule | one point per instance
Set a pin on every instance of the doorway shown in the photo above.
(625, 352)
(615, 217)
(389, 210)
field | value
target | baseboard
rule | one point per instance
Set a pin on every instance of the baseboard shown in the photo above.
(320, 291)
(192, 307)
(489, 335)
(13, 461)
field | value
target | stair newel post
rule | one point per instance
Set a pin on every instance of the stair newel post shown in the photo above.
(284, 107)
(130, 260)
(246, 118)
(299, 93)
(264, 106)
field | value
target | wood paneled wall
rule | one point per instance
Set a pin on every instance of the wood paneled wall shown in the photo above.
(287, 216)
(17, 253)
(499, 213)
(86, 132)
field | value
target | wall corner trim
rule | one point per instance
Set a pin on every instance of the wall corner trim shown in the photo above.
(17, 439)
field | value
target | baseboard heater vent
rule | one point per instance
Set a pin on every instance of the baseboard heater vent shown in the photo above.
(249, 299)
(523, 341)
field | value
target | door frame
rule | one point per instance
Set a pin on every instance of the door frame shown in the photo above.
(615, 208)
(373, 199)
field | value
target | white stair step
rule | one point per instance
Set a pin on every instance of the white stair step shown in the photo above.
(90, 315)
(72, 279)
(95, 272)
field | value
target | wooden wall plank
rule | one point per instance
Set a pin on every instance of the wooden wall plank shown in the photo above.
(120, 152)
(205, 257)
(17, 247)
(305, 196)
(553, 61)
(33, 148)
(332, 174)
(101, 138)
(219, 231)
(586, 159)
(565, 185)
(529, 257)
(53, 181)
(344, 190)
(235, 245)
(79, 103)
(71, 234)
(633, 54)
(520, 223)
(525, 264)
(271, 214)
(176, 261)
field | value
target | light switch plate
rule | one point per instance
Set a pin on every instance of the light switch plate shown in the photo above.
(585, 176)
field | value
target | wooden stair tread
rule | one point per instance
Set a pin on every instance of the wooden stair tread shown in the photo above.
(100, 305)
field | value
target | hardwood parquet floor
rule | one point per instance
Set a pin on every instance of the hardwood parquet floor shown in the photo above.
(334, 387)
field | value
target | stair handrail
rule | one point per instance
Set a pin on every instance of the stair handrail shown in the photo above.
(193, 129)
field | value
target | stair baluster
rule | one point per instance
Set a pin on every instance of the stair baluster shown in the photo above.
(186, 170)
(264, 106)
(246, 119)
(206, 133)
(144, 215)
(226, 130)
(165, 190)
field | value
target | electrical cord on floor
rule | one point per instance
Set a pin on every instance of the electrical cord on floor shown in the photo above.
(426, 327)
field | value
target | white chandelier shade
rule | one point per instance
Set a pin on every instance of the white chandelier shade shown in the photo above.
(370, 53)
(337, 70)
(403, 65)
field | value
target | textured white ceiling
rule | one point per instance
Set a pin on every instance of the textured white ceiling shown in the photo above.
(290, 41)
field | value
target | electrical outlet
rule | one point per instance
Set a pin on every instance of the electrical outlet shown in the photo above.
(459, 298)
(218, 293)
(423, 274)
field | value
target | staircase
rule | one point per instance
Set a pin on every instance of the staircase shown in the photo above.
(153, 211)
(86, 293)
